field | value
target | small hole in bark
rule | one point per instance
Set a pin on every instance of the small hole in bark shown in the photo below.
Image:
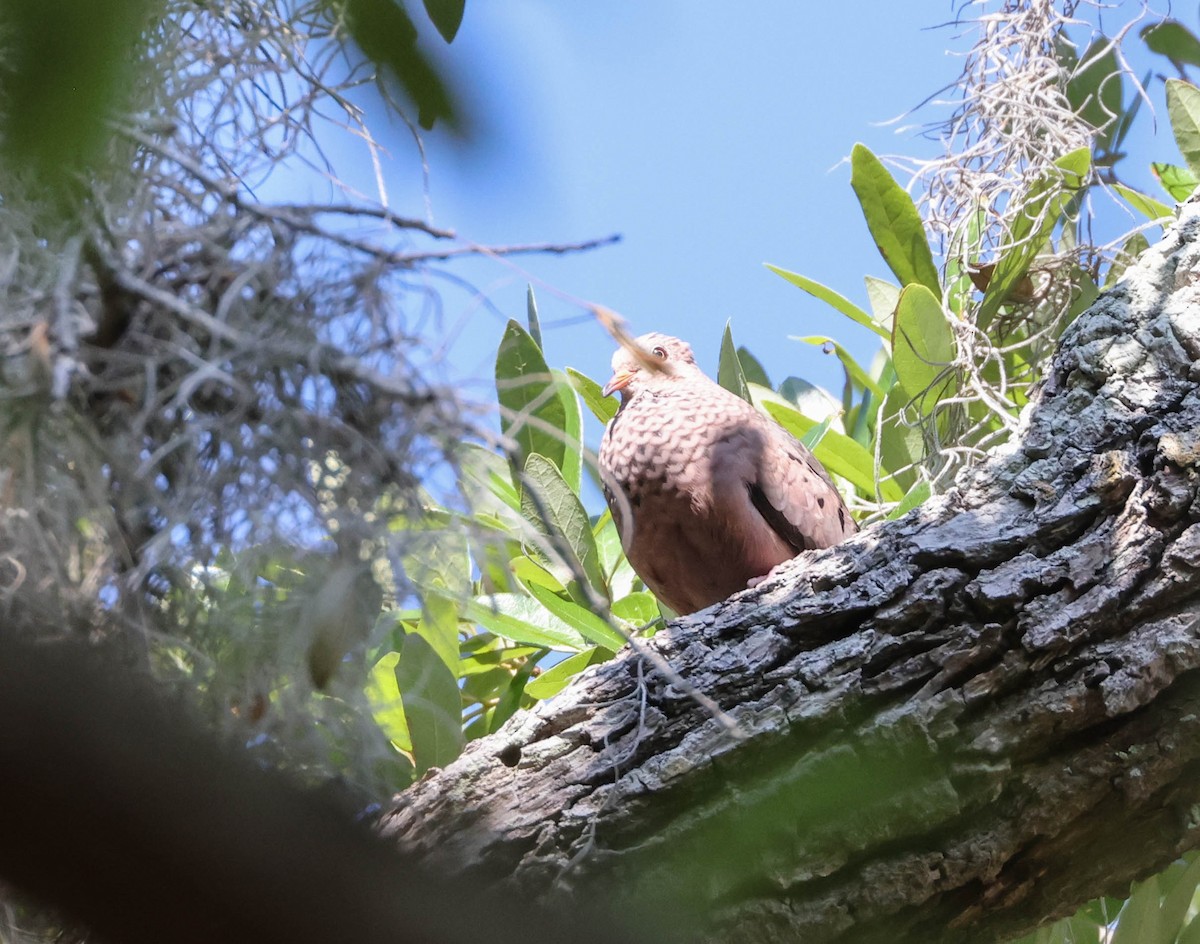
(510, 756)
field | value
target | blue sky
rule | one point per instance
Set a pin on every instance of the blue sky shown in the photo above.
(712, 139)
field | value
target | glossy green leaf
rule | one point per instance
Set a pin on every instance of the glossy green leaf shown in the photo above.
(602, 407)
(853, 369)
(510, 698)
(1040, 209)
(752, 368)
(595, 629)
(572, 465)
(922, 346)
(901, 446)
(548, 502)
(1172, 39)
(555, 679)
(893, 220)
(637, 609)
(531, 411)
(1177, 181)
(883, 296)
(1138, 922)
(832, 298)
(383, 695)
(917, 495)
(486, 473)
(840, 454)
(523, 620)
(621, 577)
(1183, 108)
(809, 399)
(729, 368)
(1149, 207)
(1179, 884)
(432, 704)
(438, 626)
(531, 310)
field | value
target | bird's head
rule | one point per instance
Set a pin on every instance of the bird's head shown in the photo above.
(658, 361)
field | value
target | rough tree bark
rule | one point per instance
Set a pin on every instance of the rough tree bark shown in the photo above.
(951, 727)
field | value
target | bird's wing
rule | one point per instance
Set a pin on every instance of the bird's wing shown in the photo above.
(794, 493)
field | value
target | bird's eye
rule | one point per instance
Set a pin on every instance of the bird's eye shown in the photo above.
(660, 353)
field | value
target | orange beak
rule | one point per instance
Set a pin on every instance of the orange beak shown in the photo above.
(618, 381)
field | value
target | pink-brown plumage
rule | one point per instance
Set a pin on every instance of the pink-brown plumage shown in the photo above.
(708, 493)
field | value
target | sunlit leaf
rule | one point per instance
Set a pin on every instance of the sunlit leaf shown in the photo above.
(549, 503)
(638, 608)
(593, 628)
(432, 704)
(884, 296)
(438, 626)
(510, 698)
(572, 466)
(1177, 181)
(531, 309)
(893, 220)
(1183, 108)
(1094, 88)
(853, 369)
(602, 407)
(1041, 207)
(531, 411)
(383, 694)
(1149, 207)
(555, 679)
(917, 495)
(752, 368)
(922, 346)
(523, 620)
(832, 298)
(729, 368)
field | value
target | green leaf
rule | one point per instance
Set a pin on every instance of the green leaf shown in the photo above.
(729, 368)
(432, 704)
(68, 68)
(637, 608)
(1133, 247)
(555, 679)
(531, 411)
(752, 368)
(1094, 89)
(1149, 207)
(884, 297)
(531, 311)
(1183, 108)
(447, 17)
(832, 298)
(853, 369)
(554, 509)
(922, 346)
(438, 626)
(572, 467)
(383, 695)
(1138, 922)
(523, 620)
(808, 398)
(1179, 882)
(1172, 39)
(484, 468)
(602, 407)
(917, 495)
(1177, 181)
(593, 628)
(510, 698)
(893, 220)
(386, 35)
(1040, 209)
(621, 578)
(840, 454)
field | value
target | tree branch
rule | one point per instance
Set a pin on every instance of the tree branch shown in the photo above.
(961, 722)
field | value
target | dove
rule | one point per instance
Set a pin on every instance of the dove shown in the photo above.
(708, 494)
